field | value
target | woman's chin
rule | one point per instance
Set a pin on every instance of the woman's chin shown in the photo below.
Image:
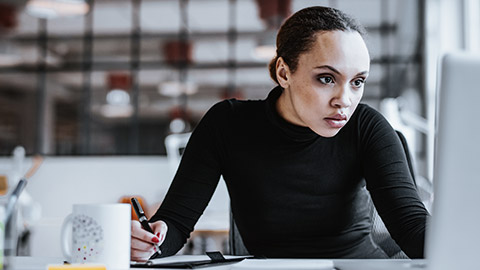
(326, 132)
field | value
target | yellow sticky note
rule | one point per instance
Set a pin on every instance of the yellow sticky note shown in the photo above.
(84, 266)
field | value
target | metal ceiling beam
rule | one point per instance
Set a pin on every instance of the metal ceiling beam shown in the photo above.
(154, 65)
(384, 29)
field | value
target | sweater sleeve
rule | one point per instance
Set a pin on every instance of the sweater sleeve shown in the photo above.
(195, 181)
(391, 185)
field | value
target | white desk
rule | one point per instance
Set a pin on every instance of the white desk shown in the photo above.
(379, 264)
(40, 263)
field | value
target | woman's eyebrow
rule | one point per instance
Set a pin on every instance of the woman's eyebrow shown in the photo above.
(338, 72)
(364, 73)
(329, 67)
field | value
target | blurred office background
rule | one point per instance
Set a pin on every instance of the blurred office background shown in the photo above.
(95, 86)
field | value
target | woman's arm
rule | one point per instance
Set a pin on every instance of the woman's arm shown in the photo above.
(195, 181)
(391, 186)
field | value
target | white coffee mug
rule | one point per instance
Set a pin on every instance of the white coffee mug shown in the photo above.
(100, 233)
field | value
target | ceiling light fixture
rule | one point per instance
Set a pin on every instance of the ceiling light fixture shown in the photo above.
(115, 111)
(118, 104)
(8, 15)
(7, 60)
(266, 48)
(117, 99)
(272, 13)
(8, 55)
(176, 89)
(48, 9)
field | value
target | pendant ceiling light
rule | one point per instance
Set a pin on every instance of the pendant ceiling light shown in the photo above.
(272, 13)
(48, 9)
(266, 45)
(118, 103)
(8, 16)
(177, 53)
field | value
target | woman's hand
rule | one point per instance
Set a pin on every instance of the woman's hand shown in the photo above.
(142, 247)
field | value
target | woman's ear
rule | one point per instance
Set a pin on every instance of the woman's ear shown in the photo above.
(283, 73)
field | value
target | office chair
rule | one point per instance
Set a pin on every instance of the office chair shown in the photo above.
(380, 234)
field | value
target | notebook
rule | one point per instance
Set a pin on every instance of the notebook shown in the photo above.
(214, 258)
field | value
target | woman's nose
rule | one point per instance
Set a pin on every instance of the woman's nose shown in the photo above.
(342, 98)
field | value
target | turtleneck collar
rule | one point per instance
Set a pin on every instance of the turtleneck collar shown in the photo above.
(294, 132)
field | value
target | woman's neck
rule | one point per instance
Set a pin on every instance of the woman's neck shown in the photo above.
(286, 111)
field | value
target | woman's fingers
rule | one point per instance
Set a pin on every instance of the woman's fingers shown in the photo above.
(142, 241)
(139, 233)
(137, 255)
(160, 228)
(141, 245)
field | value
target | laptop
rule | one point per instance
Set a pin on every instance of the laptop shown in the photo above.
(453, 233)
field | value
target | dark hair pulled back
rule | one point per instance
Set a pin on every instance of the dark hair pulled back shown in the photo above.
(297, 34)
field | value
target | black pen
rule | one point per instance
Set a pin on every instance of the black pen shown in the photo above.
(144, 221)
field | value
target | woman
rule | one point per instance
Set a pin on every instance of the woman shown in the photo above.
(296, 164)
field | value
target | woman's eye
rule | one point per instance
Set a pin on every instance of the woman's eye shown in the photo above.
(326, 80)
(358, 83)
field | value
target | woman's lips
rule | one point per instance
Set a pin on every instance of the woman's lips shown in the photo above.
(336, 121)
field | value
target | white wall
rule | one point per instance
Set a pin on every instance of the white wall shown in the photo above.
(63, 181)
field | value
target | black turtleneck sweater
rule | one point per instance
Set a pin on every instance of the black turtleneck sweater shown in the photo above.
(294, 193)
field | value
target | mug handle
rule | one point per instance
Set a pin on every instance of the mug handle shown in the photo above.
(65, 242)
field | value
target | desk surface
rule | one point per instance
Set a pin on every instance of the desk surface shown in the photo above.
(40, 263)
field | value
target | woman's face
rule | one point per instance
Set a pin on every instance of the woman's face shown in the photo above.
(327, 86)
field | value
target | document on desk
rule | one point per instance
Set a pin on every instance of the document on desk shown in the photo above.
(284, 264)
(187, 261)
